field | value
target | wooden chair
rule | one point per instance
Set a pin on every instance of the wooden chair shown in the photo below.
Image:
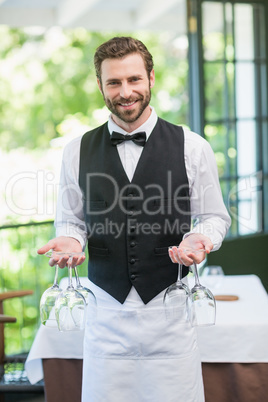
(13, 378)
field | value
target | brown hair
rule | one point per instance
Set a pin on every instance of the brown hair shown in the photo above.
(119, 47)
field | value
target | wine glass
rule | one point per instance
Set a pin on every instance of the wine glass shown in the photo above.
(176, 299)
(70, 304)
(87, 293)
(203, 305)
(47, 303)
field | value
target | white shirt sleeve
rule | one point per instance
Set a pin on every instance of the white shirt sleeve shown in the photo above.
(69, 219)
(208, 212)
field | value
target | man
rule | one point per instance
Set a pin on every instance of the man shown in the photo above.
(130, 189)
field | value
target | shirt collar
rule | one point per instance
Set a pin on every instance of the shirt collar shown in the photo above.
(148, 126)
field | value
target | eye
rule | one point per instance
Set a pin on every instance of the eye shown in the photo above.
(135, 79)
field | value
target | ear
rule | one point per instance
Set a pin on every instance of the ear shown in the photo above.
(152, 79)
(99, 85)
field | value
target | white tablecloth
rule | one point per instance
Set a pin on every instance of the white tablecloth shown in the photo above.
(240, 334)
(241, 331)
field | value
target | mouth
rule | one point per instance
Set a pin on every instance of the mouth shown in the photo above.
(127, 105)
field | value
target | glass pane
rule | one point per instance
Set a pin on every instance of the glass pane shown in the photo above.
(246, 145)
(245, 204)
(216, 136)
(214, 91)
(244, 42)
(250, 204)
(247, 217)
(213, 28)
(245, 90)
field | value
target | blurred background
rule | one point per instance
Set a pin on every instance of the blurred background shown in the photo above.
(211, 76)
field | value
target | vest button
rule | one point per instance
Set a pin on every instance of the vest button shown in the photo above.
(132, 228)
(132, 276)
(130, 213)
(132, 244)
(132, 261)
(130, 195)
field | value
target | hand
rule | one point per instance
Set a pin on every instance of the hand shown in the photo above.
(63, 244)
(195, 241)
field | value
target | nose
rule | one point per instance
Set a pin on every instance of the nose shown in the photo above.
(125, 90)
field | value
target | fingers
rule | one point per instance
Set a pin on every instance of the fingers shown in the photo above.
(208, 246)
(50, 245)
(178, 256)
(77, 260)
(192, 249)
(61, 261)
(172, 251)
(65, 260)
(196, 256)
(64, 251)
(186, 256)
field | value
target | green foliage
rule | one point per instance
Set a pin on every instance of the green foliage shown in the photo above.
(22, 268)
(44, 78)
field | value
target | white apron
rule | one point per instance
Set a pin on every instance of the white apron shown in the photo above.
(140, 355)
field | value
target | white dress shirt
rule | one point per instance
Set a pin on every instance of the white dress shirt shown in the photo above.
(209, 215)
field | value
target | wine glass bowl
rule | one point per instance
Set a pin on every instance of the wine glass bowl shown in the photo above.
(202, 307)
(198, 304)
(69, 305)
(176, 299)
(176, 302)
(47, 303)
(202, 303)
(70, 310)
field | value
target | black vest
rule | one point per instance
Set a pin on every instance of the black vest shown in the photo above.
(131, 224)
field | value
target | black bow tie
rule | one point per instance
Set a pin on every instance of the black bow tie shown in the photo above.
(137, 138)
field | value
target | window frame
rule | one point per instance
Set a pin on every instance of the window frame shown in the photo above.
(197, 99)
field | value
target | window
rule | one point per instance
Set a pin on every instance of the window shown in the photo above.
(233, 71)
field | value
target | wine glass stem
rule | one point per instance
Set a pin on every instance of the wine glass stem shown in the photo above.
(56, 275)
(196, 275)
(180, 272)
(70, 282)
(77, 277)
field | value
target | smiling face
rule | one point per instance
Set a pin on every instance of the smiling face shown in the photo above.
(126, 90)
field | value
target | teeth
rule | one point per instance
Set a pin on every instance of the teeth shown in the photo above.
(127, 104)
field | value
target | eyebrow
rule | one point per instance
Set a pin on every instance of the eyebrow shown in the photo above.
(129, 78)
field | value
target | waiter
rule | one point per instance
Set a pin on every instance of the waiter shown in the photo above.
(130, 189)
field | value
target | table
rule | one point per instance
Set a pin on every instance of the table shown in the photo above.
(234, 352)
